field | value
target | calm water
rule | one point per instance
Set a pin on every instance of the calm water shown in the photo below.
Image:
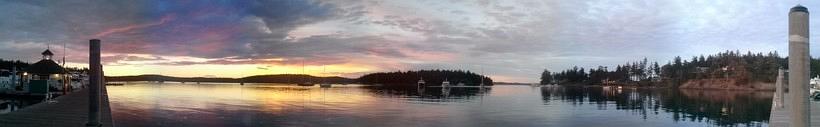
(170, 104)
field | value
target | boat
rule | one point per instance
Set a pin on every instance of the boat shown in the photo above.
(304, 83)
(482, 82)
(324, 83)
(114, 84)
(445, 83)
(814, 88)
(482, 79)
(421, 83)
(460, 84)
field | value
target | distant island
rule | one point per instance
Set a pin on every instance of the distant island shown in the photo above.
(431, 77)
(726, 70)
(383, 78)
(406, 78)
(281, 78)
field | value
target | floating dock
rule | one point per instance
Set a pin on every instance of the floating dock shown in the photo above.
(70, 111)
(780, 117)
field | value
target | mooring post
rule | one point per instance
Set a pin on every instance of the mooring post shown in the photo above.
(95, 78)
(799, 65)
(779, 97)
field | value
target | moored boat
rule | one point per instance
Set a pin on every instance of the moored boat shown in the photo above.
(445, 83)
(305, 84)
(325, 85)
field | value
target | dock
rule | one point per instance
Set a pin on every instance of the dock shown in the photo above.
(71, 110)
(780, 117)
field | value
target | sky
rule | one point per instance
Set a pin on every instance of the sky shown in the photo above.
(508, 40)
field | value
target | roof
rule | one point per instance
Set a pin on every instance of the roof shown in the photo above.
(45, 67)
(799, 8)
(47, 53)
(5, 73)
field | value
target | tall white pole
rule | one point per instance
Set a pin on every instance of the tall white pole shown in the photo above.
(799, 65)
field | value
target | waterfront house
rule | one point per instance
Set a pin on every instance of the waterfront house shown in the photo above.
(7, 81)
(44, 73)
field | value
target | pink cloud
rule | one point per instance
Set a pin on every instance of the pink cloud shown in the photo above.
(132, 27)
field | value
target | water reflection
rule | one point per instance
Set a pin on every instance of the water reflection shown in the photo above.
(432, 93)
(722, 108)
(169, 104)
(10, 104)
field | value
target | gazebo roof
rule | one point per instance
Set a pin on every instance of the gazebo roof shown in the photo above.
(45, 67)
(47, 53)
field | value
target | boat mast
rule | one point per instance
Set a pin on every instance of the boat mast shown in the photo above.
(64, 76)
(304, 75)
(482, 77)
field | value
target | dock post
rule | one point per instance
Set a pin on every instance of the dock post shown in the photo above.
(779, 98)
(95, 78)
(799, 65)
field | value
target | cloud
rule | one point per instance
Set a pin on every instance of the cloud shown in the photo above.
(508, 38)
(132, 27)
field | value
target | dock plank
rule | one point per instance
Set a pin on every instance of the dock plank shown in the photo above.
(70, 111)
(781, 117)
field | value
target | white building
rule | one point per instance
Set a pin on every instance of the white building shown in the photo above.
(7, 81)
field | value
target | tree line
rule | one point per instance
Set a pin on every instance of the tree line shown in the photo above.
(431, 77)
(745, 67)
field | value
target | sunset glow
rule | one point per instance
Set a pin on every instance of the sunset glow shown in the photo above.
(507, 40)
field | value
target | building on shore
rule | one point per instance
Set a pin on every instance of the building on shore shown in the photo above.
(8, 81)
(44, 74)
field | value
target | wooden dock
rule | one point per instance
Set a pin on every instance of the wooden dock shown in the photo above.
(70, 111)
(780, 117)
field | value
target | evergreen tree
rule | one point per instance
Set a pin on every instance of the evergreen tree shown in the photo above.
(546, 77)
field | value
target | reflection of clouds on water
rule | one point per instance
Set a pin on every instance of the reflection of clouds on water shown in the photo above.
(173, 104)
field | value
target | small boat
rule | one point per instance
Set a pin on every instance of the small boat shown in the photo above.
(114, 84)
(814, 90)
(305, 84)
(325, 85)
(421, 83)
(445, 83)
(305, 77)
(460, 84)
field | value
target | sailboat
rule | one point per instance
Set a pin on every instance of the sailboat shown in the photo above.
(445, 83)
(421, 82)
(481, 85)
(324, 83)
(304, 82)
